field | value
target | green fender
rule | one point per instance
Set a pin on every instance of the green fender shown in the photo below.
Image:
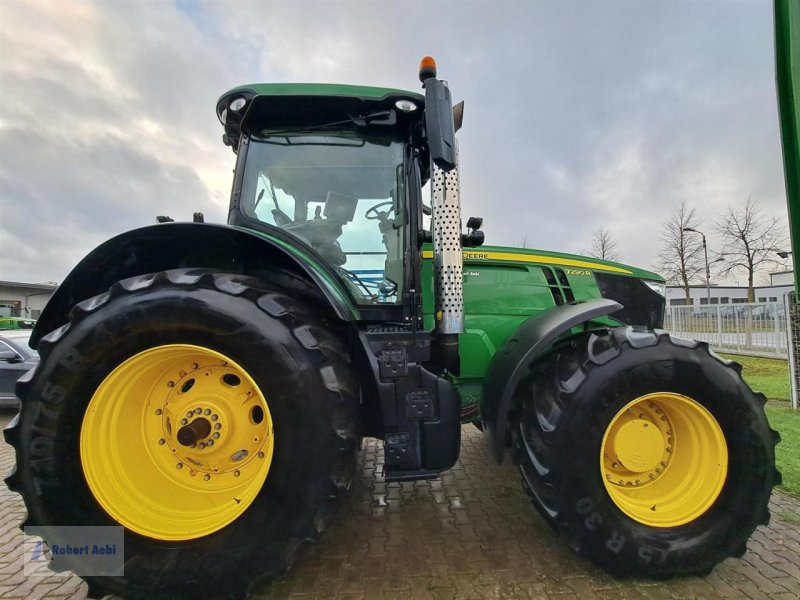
(510, 363)
(178, 245)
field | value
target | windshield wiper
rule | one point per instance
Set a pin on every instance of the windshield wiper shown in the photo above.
(363, 121)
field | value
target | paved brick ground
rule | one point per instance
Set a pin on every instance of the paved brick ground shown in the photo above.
(472, 534)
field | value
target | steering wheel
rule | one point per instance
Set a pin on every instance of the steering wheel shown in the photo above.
(379, 215)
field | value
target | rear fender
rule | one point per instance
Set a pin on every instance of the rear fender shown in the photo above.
(510, 364)
(180, 245)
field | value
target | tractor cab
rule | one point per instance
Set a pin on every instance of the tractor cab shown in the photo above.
(337, 169)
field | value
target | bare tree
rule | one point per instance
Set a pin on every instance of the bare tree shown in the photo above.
(751, 239)
(680, 260)
(524, 241)
(604, 246)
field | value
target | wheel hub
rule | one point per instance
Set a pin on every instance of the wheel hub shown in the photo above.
(639, 446)
(641, 443)
(199, 404)
(197, 430)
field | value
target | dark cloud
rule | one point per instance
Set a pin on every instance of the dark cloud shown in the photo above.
(578, 114)
(69, 195)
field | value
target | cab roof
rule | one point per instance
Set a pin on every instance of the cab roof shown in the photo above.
(325, 89)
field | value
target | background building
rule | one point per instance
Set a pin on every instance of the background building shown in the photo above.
(781, 283)
(24, 299)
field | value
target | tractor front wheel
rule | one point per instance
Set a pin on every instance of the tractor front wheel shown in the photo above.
(650, 454)
(211, 417)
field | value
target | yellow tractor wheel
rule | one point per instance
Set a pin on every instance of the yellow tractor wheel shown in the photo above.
(212, 418)
(650, 454)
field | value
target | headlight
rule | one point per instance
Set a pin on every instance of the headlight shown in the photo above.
(406, 106)
(237, 104)
(657, 286)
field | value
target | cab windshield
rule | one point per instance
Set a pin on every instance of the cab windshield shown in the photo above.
(343, 196)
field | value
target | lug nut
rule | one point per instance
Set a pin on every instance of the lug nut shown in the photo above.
(207, 411)
(184, 421)
(218, 425)
(162, 441)
(195, 366)
(197, 411)
(158, 411)
(261, 455)
(188, 414)
(179, 465)
(206, 477)
(236, 473)
(170, 384)
(210, 443)
(216, 435)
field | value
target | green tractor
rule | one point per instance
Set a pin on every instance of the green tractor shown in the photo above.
(207, 387)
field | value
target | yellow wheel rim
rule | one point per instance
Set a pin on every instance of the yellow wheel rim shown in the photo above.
(176, 442)
(664, 459)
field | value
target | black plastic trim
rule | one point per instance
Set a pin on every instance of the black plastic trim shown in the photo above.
(169, 246)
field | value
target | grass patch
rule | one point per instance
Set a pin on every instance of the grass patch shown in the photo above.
(787, 453)
(771, 376)
(768, 375)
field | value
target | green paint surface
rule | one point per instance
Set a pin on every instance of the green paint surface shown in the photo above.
(505, 286)
(332, 285)
(787, 71)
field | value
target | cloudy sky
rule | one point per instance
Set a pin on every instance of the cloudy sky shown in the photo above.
(578, 114)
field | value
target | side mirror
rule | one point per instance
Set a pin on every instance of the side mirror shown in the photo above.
(439, 124)
(474, 222)
(475, 237)
(9, 356)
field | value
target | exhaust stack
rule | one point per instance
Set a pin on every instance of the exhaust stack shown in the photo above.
(447, 258)
(446, 216)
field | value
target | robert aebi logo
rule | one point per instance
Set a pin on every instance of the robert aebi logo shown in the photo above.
(86, 550)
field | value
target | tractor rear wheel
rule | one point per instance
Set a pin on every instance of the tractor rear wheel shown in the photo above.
(650, 454)
(211, 417)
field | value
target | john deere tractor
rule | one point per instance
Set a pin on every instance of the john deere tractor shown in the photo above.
(206, 387)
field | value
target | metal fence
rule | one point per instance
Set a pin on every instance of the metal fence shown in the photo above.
(757, 328)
